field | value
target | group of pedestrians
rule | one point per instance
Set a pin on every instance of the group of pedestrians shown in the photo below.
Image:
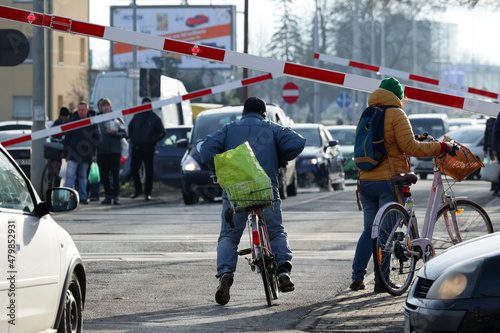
(103, 143)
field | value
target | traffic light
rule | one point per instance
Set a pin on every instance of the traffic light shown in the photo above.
(150, 82)
(14, 47)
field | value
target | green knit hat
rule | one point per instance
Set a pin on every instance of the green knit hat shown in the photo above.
(393, 86)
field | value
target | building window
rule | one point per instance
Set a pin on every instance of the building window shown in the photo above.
(21, 107)
(82, 50)
(61, 50)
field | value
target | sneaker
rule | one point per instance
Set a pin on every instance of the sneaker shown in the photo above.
(357, 285)
(116, 201)
(84, 201)
(222, 294)
(285, 283)
(379, 287)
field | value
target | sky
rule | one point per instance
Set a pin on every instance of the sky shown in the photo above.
(475, 28)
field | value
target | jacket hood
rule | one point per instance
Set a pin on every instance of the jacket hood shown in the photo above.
(384, 97)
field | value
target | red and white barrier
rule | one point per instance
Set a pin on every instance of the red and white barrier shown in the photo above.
(404, 75)
(279, 67)
(137, 109)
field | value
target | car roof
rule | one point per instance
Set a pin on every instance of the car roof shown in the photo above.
(428, 115)
(306, 125)
(341, 127)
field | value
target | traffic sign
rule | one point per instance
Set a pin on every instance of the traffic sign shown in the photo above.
(344, 100)
(290, 93)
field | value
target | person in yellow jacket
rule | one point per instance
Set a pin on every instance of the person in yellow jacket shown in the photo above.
(375, 188)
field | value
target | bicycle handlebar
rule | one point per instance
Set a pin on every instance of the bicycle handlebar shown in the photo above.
(426, 136)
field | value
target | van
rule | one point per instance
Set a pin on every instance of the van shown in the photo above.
(436, 125)
(119, 89)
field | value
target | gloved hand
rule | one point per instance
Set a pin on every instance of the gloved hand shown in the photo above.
(445, 147)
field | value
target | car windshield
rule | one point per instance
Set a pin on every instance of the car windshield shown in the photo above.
(172, 135)
(211, 123)
(311, 135)
(14, 192)
(345, 136)
(433, 126)
(466, 136)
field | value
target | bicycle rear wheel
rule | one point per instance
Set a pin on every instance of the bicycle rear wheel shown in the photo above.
(265, 280)
(269, 260)
(472, 221)
(394, 265)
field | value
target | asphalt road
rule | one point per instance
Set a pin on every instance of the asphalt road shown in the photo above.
(151, 266)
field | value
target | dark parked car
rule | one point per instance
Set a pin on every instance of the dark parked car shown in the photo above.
(196, 180)
(346, 135)
(458, 291)
(321, 161)
(167, 160)
(21, 152)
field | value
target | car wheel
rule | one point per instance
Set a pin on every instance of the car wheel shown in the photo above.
(282, 184)
(326, 185)
(188, 197)
(423, 176)
(72, 318)
(292, 188)
(339, 186)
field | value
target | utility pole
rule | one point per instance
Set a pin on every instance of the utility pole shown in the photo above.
(38, 100)
(316, 104)
(134, 52)
(245, 49)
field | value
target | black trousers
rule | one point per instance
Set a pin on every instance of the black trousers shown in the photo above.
(109, 165)
(138, 156)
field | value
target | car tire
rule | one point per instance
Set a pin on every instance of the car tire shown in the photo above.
(72, 318)
(423, 176)
(292, 188)
(188, 197)
(326, 185)
(339, 186)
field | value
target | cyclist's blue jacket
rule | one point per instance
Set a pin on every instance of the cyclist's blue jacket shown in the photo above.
(272, 144)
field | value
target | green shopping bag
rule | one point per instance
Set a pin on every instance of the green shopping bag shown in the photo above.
(238, 165)
(94, 176)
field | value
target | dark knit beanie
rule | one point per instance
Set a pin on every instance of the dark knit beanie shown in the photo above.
(254, 104)
(64, 111)
(393, 86)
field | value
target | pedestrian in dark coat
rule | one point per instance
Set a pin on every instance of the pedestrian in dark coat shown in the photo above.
(144, 130)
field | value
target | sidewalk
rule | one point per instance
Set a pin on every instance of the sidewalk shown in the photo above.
(358, 311)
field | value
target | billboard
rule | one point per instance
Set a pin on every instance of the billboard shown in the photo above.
(205, 25)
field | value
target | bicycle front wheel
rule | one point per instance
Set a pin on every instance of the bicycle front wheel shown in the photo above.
(471, 221)
(394, 265)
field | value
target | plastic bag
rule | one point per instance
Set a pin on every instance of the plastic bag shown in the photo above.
(238, 165)
(62, 171)
(124, 147)
(94, 176)
(491, 172)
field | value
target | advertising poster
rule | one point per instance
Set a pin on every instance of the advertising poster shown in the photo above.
(205, 25)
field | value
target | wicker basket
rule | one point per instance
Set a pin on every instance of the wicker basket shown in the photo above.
(460, 166)
(252, 193)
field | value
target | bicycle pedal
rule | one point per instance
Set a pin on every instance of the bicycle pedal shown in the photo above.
(244, 252)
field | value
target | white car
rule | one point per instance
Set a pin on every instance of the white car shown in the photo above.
(470, 136)
(42, 277)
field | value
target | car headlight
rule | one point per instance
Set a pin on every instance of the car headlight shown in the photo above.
(459, 281)
(190, 164)
(312, 161)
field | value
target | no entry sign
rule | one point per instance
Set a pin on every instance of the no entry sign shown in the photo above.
(290, 92)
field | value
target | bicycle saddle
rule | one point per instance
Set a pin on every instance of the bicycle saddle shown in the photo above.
(404, 179)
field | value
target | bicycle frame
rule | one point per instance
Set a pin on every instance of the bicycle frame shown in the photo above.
(438, 198)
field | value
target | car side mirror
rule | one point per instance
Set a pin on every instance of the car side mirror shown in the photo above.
(333, 143)
(182, 143)
(59, 199)
(198, 145)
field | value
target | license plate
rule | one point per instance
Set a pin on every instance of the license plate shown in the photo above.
(407, 322)
(23, 162)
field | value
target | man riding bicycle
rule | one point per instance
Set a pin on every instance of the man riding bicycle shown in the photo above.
(273, 145)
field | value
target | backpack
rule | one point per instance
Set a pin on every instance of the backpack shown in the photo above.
(369, 148)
